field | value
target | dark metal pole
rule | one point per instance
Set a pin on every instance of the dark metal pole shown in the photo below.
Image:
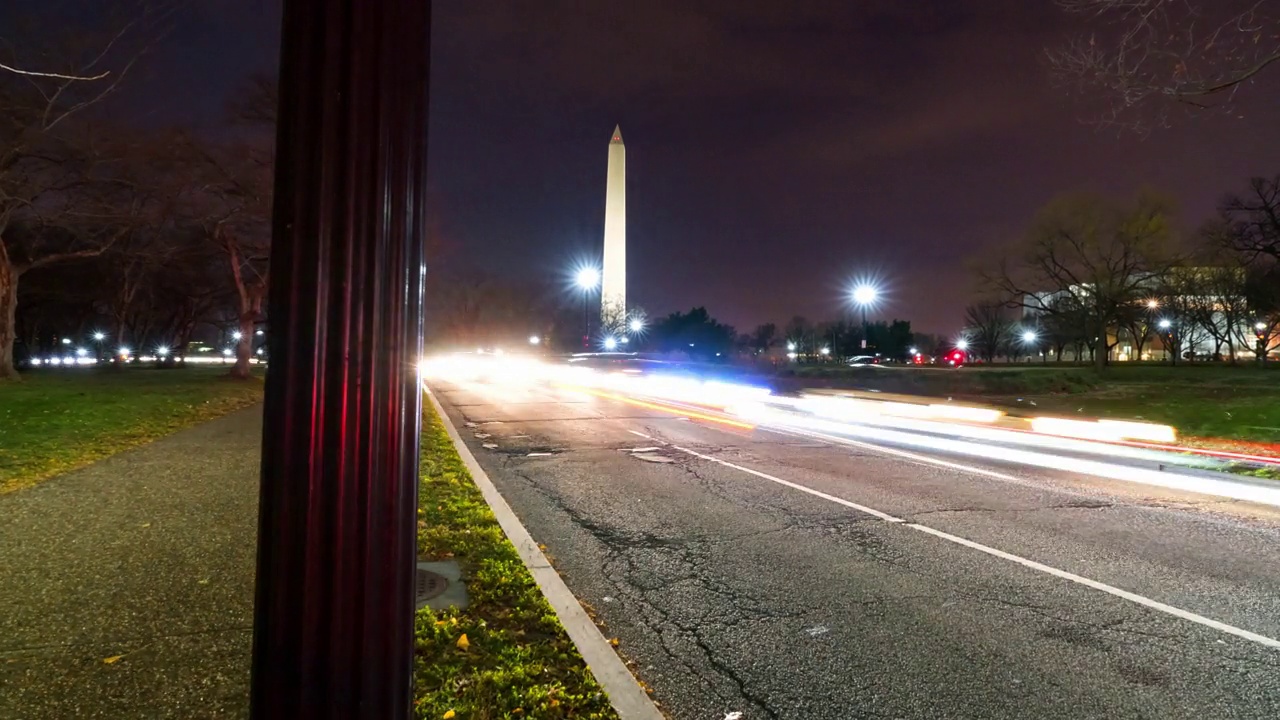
(586, 320)
(333, 620)
(865, 329)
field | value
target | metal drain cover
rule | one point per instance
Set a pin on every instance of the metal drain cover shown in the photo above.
(428, 585)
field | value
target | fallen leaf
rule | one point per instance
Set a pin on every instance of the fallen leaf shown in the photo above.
(449, 715)
(613, 642)
(205, 581)
(112, 660)
(463, 642)
(146, 525)
(735, 715)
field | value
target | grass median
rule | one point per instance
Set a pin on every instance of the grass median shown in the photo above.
(55, 421)
(506, 655)
(1213, 401)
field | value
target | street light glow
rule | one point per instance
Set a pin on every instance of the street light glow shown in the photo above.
(124, 352)
(1165, 324)
(226, 352)
(99, 336)
(587, 278)
(236, 335)
(791, 347)
(962, 344)
(1259, 326)
(534, 340)
(913, 351)
(81, 352)
(610, 343)
(66, 341)
(162, 351)
(825, 351)
(865, 294)
(1028, 337)
(636, 325)
(1153, 303)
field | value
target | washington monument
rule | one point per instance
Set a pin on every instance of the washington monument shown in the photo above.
(613, 288)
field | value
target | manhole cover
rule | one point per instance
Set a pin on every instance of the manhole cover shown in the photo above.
(429, 585)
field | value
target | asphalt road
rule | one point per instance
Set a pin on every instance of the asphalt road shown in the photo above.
(785, 577)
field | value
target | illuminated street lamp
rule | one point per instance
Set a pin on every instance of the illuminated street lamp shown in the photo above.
(791, 347)
(162, 351)
(1029, 340)
(1259, 325)
(636, 325)
(864, 296)
(81, 352)
(99, 337)
(535, 340)
(1153, 303)
(1165, 324)
(825, 351)
(962, 344)
(66, 341)
(587, 279)
(236, 335)
(610, 344)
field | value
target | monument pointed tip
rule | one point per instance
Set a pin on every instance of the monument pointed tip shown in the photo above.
(617, 134)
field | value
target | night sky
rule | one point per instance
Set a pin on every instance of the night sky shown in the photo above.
(775, 151)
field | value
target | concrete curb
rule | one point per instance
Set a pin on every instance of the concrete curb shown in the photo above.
(625, 693)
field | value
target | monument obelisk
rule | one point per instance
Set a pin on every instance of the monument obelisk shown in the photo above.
(613, 287)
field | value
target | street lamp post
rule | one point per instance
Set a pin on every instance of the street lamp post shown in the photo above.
(865, 295)
(334, 605)
(588, 279)
(1172, 345)
(1029, 340)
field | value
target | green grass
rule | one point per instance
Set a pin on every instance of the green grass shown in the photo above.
(52, 422)
(518, 662)
(1211, 401)
(1223, 402)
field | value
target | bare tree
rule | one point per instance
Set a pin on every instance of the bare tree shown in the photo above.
(987, 328)
(46, 157)
(227, 198)
(1251, 221)
(1148, 57)
(1104, 256)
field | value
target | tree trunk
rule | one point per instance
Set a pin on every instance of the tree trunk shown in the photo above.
(244, 347)
(1100, 358)
(8, 316)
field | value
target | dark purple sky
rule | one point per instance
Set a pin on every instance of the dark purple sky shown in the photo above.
(775, 150)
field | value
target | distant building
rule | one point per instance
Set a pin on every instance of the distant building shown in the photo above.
(1209, 325)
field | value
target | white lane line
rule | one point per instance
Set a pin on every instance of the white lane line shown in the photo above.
(787, 483)
(924, 459)
(1109, 589)
(1025, 562)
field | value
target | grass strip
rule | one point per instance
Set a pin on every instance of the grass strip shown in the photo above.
(56, 421)
(506, 655)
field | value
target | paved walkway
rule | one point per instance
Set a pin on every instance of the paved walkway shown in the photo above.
(126, 588)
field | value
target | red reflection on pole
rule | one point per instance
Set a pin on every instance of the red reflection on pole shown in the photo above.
(333, 620)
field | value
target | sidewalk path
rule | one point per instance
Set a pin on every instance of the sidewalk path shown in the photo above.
(127, 586)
